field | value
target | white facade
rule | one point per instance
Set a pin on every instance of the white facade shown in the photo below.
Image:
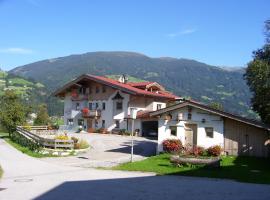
(198, 117)
(109, 115)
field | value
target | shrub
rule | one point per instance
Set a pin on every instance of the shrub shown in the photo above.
(103, 131)
(23, 141)
(198, 151)
(82, 144)
(214, 150)
(75, 140)
(172, 145)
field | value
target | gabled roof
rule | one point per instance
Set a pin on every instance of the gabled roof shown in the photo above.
(117, 85)
(211, 110)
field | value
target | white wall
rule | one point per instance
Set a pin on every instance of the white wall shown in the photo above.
(211, 120)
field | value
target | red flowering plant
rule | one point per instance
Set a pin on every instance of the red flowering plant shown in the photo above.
(172, 145)
(85, 111)
(194, 151)
(214, 150)
(74, 94)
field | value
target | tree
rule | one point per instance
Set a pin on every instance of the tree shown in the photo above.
(42, 115)
(216, 105)
(258, 78)
(12, 113)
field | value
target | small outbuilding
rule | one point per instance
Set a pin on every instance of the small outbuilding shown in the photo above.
(196, 124)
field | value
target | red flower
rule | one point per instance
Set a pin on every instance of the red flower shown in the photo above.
(85, 111)
(74, 94)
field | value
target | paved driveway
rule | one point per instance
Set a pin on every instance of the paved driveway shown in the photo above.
(108, 150)
(29, 178)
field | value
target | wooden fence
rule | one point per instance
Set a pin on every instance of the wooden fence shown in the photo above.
(45, 142)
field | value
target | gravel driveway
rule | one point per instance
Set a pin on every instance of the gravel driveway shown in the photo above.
(107, 150)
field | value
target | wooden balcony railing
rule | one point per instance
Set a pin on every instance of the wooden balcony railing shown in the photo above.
(91, 113)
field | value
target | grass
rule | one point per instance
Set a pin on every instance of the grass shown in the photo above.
(23, 149)
(243, 169)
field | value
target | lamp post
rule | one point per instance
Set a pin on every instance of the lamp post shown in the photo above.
(133, 114)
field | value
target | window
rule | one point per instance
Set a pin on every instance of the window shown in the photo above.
(117, 124)
(104, 89)
(77, 106)
(189, 116)
(103, 106)
(90, 90)
(82, 90)
(103, 124)
(159, 106)
(96, 123)
(119, 105)
(70, 122)
(80, 122)
(90, 106)
(209, 132)
(173, 130)
(97, 105)
(97, 89)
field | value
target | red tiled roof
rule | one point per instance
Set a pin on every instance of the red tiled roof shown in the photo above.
(139, 84)
(121, 86)
(161, 94)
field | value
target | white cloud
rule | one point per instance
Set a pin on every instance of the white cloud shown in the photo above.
(182, 32)
(16, 50)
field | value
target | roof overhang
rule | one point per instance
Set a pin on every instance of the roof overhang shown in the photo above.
(115, 86)
(204, 107)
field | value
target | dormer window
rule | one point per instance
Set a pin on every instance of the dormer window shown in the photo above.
(159, 106)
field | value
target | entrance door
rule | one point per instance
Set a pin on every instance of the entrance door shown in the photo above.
(89, 125)
(190, 134)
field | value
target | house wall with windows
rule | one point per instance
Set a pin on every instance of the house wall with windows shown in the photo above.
(95, 102)
(210, 127)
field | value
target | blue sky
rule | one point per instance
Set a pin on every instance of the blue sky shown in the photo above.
(220, 33)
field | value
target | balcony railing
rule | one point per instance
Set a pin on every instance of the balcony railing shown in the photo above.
(91, 113)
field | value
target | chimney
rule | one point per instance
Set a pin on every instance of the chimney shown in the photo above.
(123, 78)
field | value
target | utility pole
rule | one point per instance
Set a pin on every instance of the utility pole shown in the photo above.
(133, 114)
(132, 139)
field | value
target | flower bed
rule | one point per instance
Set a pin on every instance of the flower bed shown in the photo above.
(208, 161)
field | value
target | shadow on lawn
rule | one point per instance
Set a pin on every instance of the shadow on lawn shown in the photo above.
(157, 188)
(243, 169)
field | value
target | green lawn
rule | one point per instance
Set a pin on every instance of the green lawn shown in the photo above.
(243, 169)
(22, 148)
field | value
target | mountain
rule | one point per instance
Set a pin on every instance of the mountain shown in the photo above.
(31, 92)
(184, 77)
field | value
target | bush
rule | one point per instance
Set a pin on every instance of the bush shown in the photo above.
(23, 141)
(103, 131)
(214, 150)
(83, 144)
(124, 132)
(172, 145)
(75, 140)
(198, 151)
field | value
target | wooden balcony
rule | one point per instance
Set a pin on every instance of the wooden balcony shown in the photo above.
(91, 113)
